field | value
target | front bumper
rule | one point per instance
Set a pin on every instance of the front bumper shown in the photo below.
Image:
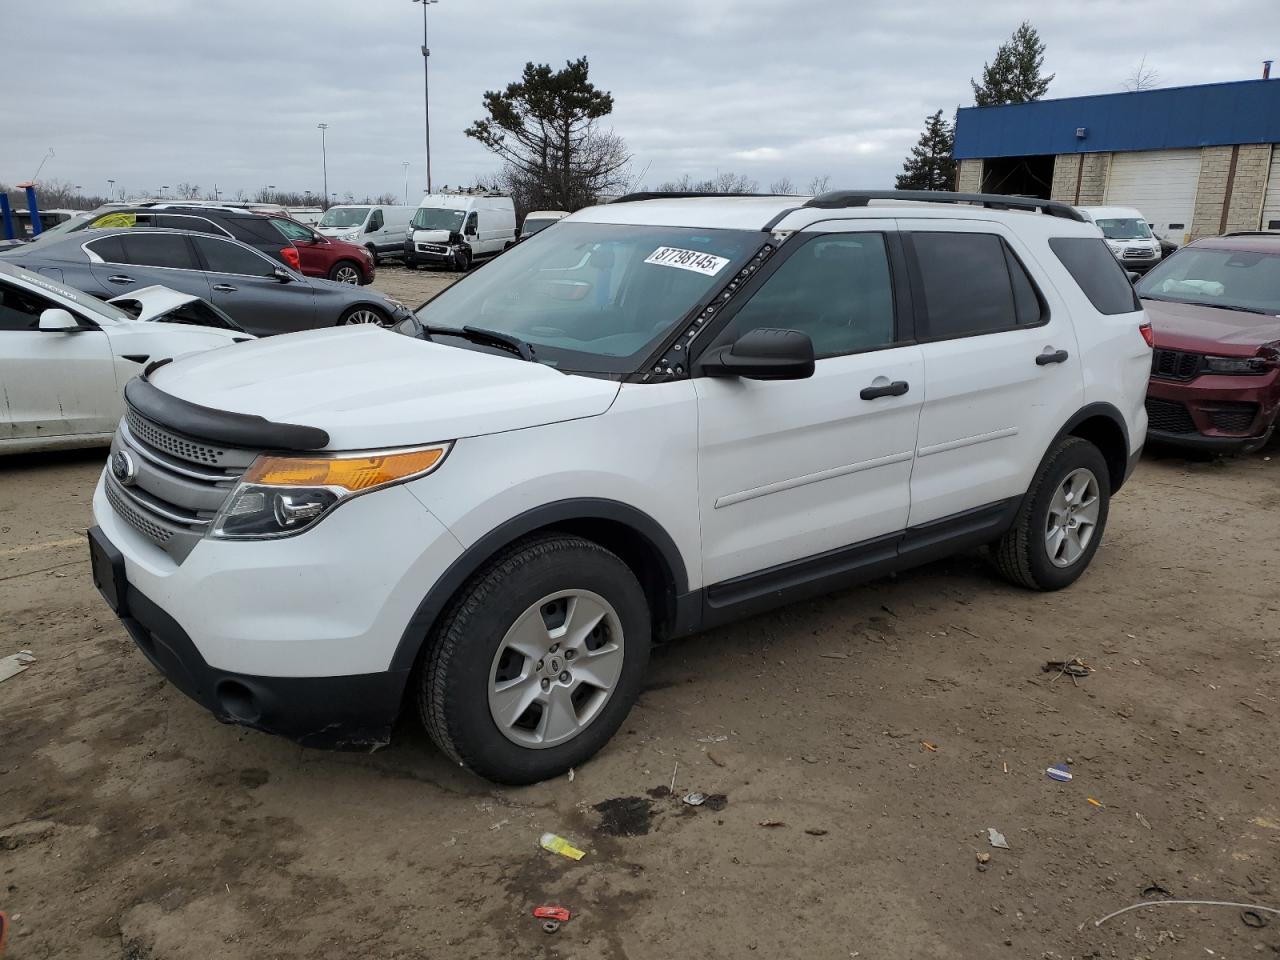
(1220, 414)
(294, 636)
(437, 254)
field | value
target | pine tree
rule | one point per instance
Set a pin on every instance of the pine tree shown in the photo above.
(1014, 75)
(931, 166)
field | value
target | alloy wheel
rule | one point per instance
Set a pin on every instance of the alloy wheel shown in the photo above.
(555, 669)
(1072, 519)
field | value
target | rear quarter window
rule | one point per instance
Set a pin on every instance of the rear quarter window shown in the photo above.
(1095, 270)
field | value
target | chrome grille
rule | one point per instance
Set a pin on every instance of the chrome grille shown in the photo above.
(136, 518)
(162, 439)
(1139, 253)
(180, 484)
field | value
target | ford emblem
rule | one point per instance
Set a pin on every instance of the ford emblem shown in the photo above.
(124, 469)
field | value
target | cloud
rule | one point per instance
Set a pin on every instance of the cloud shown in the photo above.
(151, 92)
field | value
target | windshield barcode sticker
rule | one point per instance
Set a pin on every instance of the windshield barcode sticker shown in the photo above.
(707, 264)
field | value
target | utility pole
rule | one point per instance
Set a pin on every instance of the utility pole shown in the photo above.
(324, 161)
(405, 164)
(426, 85)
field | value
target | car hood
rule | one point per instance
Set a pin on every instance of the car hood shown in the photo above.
(431, 236)
(368, 387)
(1202, 329)
(338, 231)
(154, 301)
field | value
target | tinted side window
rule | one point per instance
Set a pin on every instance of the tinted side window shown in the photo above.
(1092, 266)
(375, 221)
(966, 284)
(110, 249)
(836, 288)
(1026, 302)
(20, 309)
(223, 256)
(178, 221)
(473, 224)
(253, 229)
(158, 250)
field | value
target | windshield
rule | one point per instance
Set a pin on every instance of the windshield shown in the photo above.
(75, 223)
(344, 216)
(438, 218)
(1233, 279)
(1124, 229)
(594, 297)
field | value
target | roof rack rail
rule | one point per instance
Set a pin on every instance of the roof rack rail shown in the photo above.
(680, 195)
(836, 199)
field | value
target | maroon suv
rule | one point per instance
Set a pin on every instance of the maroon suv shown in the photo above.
(1215, 374)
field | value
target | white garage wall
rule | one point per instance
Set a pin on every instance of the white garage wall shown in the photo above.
(1161, 184)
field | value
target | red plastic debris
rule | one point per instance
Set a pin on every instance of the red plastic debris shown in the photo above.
(551, 913)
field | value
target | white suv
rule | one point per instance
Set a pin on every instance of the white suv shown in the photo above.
(662, 415)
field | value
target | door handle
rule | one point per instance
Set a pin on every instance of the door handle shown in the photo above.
(895, 389)
(120, 278)
(225, 288)
(1051, 356)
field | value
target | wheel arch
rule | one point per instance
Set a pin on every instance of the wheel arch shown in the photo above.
(1103, 426)
(638, 540)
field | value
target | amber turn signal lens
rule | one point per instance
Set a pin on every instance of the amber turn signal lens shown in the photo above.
(358, 472)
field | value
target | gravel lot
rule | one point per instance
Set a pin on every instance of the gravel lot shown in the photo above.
(132, 825)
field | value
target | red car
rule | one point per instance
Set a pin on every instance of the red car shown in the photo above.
(1215, 374)
(323, 256)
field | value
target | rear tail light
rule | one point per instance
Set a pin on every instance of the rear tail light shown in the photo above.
(1148, 334)
(290, 256)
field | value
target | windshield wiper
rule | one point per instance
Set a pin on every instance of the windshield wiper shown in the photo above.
(492, 338)
(1233, 306)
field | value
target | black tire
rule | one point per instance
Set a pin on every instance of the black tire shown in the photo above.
(1022, 555)
(346, 271)
(349, 315)
(373, 254)
(462, 261)
(453, 682)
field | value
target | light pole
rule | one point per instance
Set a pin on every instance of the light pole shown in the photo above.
(162, 190)
(270, 187)
(405, 164)
(324, 159)
(426, 85)
(111, 189)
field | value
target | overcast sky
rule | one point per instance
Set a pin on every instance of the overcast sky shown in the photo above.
(152, 92)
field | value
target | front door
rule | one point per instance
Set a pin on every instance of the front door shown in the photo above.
(244, 283)
(55, 383)
(792, 469)
(1001, 366)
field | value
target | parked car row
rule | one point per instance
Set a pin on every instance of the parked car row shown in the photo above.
(255, 288)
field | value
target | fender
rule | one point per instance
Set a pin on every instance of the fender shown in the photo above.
(476, 555)
(1109, 411)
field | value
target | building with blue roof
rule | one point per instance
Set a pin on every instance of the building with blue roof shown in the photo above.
(1197, 161)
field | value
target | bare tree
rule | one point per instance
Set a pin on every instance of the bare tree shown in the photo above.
(820, 184)
(1143, 77)
(783, 187)
(720, 183)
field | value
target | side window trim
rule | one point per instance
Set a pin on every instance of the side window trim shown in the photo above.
(903, 298)
(920, 305)
(221, 231)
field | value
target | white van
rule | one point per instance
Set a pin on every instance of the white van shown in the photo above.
(537, 220)
(382, 230)
(1128, 236)
(458, 229)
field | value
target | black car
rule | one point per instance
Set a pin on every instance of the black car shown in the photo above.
(257, 292)
(246, 226)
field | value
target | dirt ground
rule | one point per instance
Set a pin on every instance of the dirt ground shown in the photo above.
(863, 745)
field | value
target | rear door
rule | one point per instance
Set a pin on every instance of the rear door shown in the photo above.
(243, 282)
(1001, 365)
(791, 470)
(55, 383)
(140, 258)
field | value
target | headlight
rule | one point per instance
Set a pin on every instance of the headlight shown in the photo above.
(1236, 365)
(283, 496)
(350, 235)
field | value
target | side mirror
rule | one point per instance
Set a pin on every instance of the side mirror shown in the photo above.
(283, 275)
(1133, 277)
(763, 354)
(57, 320)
